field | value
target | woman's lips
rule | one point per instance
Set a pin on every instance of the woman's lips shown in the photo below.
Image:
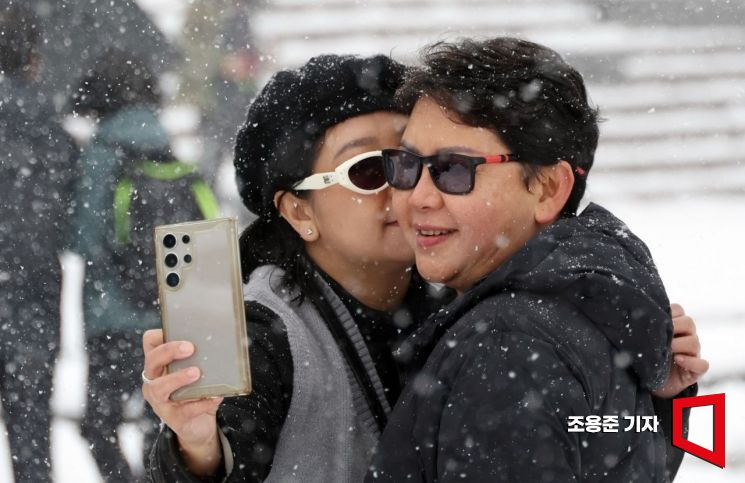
(429, 236)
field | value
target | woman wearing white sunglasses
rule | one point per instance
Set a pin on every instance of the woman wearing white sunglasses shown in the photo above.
(328, 275)
(330, 289)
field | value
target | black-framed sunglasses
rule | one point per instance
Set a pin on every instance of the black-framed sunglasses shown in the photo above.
(452, 173)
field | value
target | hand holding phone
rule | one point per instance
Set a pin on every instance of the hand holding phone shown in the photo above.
(194, 421)
(201, 301)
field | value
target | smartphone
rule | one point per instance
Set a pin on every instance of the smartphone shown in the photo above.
(201, 300)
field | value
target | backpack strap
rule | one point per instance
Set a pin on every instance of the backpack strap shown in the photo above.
(125, 189)
(205, 199)
(169, 171)
(122, 201)
(174, 170)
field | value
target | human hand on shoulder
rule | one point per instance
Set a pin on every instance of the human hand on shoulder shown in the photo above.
(687, 366)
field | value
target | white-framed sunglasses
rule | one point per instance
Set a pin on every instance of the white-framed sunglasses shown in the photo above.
(362, 174)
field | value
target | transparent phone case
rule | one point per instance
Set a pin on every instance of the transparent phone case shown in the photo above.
(201, 300)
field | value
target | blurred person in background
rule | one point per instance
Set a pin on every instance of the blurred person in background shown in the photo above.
(77, 32)
(130, 183)
(218, 73)
(37, 175)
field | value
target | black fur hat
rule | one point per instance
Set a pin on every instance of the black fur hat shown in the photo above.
(275, 147)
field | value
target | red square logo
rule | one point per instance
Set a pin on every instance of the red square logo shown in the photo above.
(715, 457)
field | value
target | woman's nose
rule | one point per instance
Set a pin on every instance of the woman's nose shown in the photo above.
(425, 194)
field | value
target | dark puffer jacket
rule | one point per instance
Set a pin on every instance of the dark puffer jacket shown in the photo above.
(575, 324)
(120, 286)
(38, 169)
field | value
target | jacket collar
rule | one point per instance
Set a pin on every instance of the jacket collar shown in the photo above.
(595, 263)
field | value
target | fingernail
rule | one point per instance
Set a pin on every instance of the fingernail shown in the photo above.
(192, 372)
(186, 348)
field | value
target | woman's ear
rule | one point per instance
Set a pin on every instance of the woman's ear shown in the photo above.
(552, 187)
(298, 213)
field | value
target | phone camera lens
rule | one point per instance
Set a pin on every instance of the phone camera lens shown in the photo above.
(187, 258)
(169, 241)
(172, 279)
(171, 260)
(185, 239)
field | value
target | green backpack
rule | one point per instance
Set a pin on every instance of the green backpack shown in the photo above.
(152, 194)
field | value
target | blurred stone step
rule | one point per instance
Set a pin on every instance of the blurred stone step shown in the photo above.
(380, 18)
(310, 4)
(685, 65)
(675, 122)
(669, 182)
(596, 43)
(672, 12)
(672, 152)
(645, 95)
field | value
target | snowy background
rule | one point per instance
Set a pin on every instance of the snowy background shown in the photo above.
(669, 77)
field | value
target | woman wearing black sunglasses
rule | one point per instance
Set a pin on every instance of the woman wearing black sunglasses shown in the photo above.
(558, 314)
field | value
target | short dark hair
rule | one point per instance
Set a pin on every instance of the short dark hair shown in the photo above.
(117, 79)
(19, 36)
(522, 91)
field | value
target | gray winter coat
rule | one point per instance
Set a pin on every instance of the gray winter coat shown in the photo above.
(37, 174)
